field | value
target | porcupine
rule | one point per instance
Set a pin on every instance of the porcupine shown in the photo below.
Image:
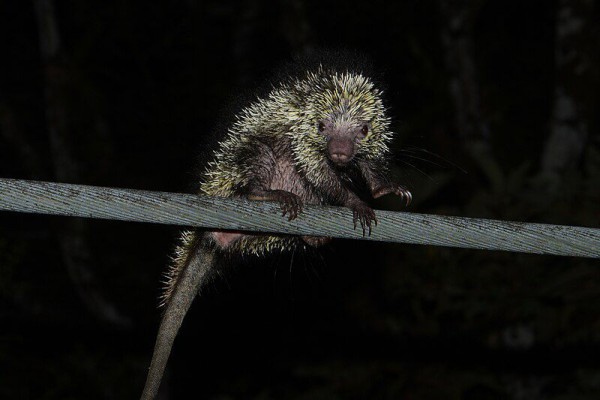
(304, 142)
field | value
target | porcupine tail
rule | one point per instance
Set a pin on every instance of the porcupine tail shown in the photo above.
(193, 271)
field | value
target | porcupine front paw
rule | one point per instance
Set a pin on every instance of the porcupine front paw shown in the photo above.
(290, 203)
(394, 188)
(361, 212)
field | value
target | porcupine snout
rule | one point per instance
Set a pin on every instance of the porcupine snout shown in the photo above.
(341, 150)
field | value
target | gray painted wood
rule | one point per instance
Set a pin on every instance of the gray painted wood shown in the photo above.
(239, 214)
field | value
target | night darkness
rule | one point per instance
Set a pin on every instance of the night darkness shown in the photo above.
(495, 104)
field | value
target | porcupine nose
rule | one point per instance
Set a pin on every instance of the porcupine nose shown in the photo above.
(340, 151)
(340, 158)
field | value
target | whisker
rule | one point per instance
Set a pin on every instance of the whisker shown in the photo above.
(421, 150)
(423, 159)
(421, 171)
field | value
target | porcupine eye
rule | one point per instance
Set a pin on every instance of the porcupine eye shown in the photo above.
(364, 130)
(321, 126)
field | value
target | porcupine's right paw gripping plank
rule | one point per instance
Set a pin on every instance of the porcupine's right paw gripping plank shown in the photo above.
(290, 203)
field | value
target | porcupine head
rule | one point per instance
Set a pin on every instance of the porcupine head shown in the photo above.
(335, 118)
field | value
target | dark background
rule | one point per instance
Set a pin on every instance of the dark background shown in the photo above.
(496, 107)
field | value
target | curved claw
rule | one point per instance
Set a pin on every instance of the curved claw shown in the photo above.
(396, 189)
(404, 194)
(365, 215)
(290, 203)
